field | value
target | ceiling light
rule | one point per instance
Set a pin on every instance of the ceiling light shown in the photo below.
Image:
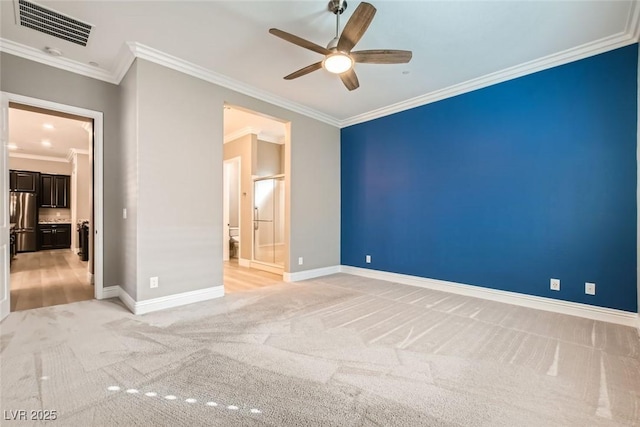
(47, 126)
(12, 146)
(94, 64)
(46, 143)
(337, 63)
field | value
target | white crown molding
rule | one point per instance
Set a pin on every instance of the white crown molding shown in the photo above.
(38, 157)
(590, 49)
(132, 50)
(73, 151)
(251, 130)
(633, 23)
(240, 133)
(62, 63)
(547, 304)
(149, 54)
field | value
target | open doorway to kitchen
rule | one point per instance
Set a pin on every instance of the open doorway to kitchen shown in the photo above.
(51, 186)
(254, 199)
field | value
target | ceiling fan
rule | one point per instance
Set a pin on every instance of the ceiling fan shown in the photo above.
(338, 57)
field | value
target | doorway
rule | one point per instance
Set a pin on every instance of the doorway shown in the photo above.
(44, 160)
(254, 246)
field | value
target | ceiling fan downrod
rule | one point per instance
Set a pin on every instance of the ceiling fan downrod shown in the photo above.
(336, 7)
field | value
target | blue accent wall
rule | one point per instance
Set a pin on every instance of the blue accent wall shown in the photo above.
(505, 187)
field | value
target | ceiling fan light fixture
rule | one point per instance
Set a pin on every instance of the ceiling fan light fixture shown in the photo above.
(337, 63)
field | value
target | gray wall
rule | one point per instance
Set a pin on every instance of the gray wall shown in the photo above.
(128, 142)
(36, 80)
(179, 208)
(269, 158)
(174, 226)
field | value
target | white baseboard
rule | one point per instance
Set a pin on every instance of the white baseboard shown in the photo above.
(111, 292)
(558, 306)
(170, 301)
(127, 300)
(162, 303)
(244, 262)
(310, 274)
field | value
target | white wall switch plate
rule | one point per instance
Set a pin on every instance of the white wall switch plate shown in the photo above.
(555, 284)
(590, 288)
(368, 259)
(124, 213)
(300, 260)
(153, 282)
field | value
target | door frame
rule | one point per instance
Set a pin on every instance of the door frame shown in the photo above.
(225, 203)
(97, 157)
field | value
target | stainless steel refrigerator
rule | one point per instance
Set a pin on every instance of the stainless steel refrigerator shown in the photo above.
(23, 208)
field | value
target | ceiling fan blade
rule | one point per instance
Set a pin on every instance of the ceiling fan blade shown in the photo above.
(356, 26)
(303, 71)
(350, 79)
(382, 56)
(299, 41)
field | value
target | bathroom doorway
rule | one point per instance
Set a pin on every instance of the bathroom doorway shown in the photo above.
(254, 193)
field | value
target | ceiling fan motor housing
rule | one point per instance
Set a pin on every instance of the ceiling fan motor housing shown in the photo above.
(337, 6)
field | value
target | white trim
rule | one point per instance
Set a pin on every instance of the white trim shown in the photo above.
(132, 50)
(98, 174)
(38, 157)
(126, 299)
(633, 23)
(570, 55)
(248, 130)
(540, 303)
(153, 55)
(60, 62)
(170, 301)
(311, 274)
(111, 292)
(243, 262)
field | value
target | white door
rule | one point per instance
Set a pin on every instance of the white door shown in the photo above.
(4, 210)
(225, 210)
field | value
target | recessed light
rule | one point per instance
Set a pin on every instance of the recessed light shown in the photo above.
(405, 72)
(46, 143)
(94, 64)
(47, 126)
(12, 146)
(53, 51)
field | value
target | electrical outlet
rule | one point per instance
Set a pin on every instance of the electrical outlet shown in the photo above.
(368, 259)
(124, 213)
(153, 282)
(590, 288)
(300, 260)
(58, 214)
(555, 284)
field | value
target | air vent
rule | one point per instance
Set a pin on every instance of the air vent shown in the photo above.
(53, 23)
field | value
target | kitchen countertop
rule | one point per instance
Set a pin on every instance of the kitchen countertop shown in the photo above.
(55, 221)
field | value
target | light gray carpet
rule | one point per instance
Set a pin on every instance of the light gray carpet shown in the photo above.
(336, 351)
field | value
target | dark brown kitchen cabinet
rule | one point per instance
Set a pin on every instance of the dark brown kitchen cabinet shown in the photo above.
(54, 236)
(25, 181)
(54, 191)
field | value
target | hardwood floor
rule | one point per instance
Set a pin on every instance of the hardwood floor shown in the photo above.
(45, 278)
(239, 279)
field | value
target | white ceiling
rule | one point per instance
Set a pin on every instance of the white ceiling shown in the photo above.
(27, 131)
(453, 42)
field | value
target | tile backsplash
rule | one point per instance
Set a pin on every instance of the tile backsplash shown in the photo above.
(47, 214)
